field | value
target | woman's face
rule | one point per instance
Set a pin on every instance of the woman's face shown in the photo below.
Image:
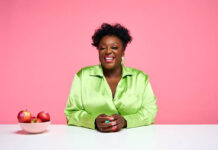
(110, 51)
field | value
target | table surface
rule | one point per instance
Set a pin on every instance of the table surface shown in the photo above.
(153, 137)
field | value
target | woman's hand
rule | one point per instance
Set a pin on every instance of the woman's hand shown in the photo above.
(121, 122)
(105, 123)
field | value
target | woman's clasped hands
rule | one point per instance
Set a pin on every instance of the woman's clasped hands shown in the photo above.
(114, 123)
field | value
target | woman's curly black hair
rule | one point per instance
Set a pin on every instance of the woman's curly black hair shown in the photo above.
(116, 30)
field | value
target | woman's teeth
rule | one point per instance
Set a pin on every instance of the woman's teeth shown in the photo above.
(109, 59)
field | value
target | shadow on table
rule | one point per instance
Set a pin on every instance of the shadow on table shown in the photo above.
(22, 132)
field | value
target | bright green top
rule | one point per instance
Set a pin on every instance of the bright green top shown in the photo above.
(90, 95)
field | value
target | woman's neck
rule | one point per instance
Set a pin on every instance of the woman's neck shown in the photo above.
(116, 72)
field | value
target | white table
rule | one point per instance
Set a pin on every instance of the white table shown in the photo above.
(153, 137)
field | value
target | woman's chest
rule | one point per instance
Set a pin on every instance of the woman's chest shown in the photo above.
(112, 83)
(102, 95)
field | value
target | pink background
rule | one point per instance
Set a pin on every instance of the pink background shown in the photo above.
(45, 42)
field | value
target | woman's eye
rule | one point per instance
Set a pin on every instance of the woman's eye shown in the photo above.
(101, 48)
(114, 47)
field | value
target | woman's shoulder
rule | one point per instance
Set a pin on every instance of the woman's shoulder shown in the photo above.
(87, 70)
(138, 73)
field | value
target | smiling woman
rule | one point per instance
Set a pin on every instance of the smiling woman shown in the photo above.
(110, 96)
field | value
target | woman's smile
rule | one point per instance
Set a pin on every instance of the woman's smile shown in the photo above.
(109, 59)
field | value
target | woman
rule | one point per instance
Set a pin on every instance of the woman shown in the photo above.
(110, 96)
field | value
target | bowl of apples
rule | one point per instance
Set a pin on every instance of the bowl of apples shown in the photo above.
(32, 124)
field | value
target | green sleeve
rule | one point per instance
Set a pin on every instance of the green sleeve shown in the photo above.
(74, 111)
(147, 112)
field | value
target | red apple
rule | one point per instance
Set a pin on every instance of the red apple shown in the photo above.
(35, 120)
(44, 116)
(24, 116)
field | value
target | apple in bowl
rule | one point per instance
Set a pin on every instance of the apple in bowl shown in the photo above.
(24, 116)
(35, 120)
(32, 124)
(44, 116)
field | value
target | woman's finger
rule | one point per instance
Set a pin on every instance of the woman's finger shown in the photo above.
(104, 119)
(114, 128)
(108, 129)
(119, 127)
(111, 129)
(109, 124)
(120, 118)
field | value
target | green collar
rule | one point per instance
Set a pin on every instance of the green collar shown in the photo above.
(98, 71)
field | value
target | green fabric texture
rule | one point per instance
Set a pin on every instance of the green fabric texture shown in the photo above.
(90, 95)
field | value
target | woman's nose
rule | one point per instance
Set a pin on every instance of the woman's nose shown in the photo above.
(108, 50)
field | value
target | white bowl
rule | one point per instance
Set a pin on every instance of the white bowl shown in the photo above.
(35, 127)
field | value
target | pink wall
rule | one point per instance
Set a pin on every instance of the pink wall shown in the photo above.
(44, 43)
